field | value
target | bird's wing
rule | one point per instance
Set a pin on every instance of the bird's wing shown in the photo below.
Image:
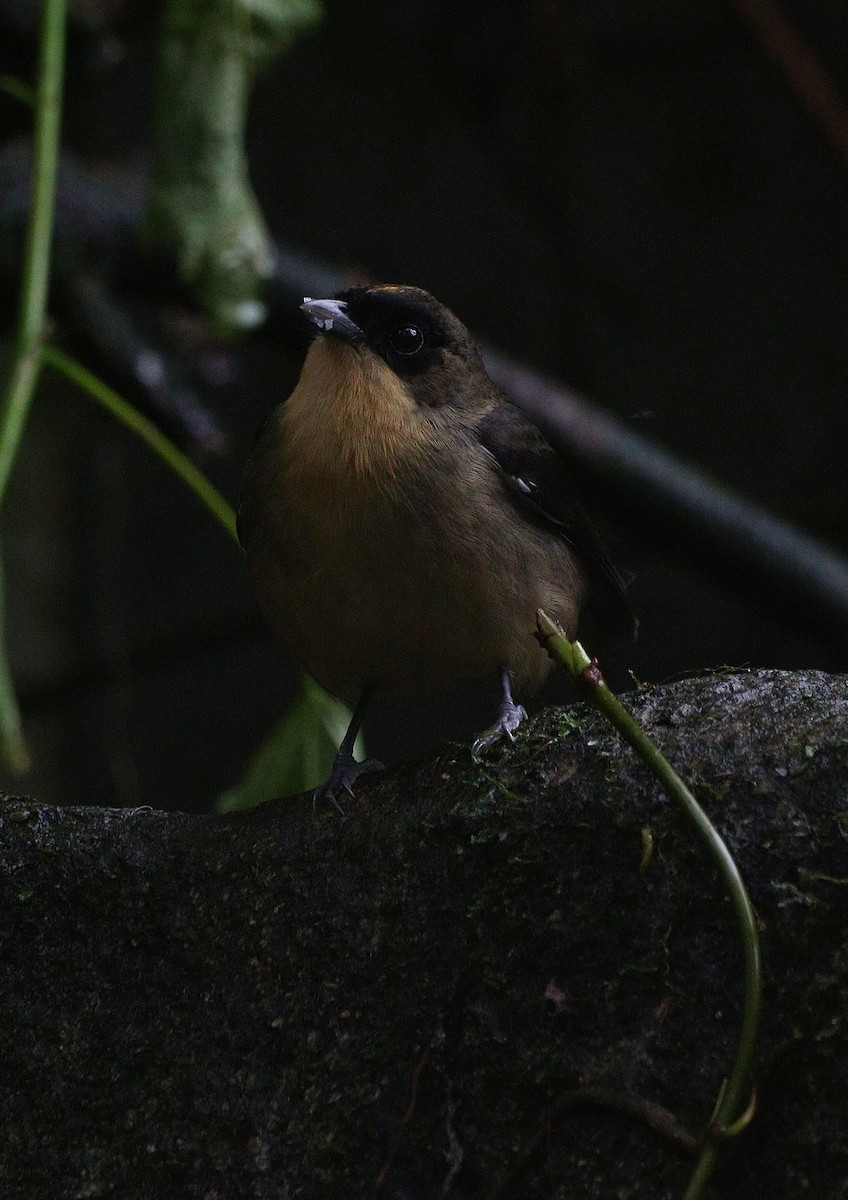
(537, 481)
(259, 474)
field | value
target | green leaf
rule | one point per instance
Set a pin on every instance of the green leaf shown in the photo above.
(296, 756)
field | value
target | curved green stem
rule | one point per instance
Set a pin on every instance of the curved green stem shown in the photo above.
(17, 396)
(13, 748)
(733, 1097)
(36, 266)
(124, 412)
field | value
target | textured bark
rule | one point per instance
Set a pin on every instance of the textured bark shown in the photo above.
(430, 995)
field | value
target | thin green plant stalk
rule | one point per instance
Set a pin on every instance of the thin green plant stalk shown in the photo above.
(732, 1112)
(32, 313)
(17, 89)
(36, 265)
(13, 748)
(324, 708)
(153, 437)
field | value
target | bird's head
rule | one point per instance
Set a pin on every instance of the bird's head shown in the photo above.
(405, 337)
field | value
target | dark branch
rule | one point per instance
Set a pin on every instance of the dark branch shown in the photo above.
(295, 1003)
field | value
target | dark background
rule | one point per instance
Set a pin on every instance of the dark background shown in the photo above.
(628, 196)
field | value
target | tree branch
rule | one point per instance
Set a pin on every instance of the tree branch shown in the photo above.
(243, 1005)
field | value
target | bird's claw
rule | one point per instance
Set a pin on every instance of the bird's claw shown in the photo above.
(510, 717)
(346, 770)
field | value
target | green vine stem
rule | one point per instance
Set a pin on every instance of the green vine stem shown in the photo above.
(310, 732)
(36, 265)
(32, 314)
(153, 437)
(732, 1111)
(13, 747)
(17, 89)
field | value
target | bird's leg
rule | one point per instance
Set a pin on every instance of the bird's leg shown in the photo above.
(346, 770)
(510, 716)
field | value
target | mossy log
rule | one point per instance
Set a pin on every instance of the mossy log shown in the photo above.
(510, 978)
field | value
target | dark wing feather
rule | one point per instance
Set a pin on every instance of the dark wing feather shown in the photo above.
(258, 473)
(538, 483)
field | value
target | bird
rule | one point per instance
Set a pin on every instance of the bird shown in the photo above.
(403, 520)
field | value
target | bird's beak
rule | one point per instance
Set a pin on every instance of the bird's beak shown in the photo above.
(331, 317)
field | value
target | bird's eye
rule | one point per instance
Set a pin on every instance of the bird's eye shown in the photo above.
(407, 339)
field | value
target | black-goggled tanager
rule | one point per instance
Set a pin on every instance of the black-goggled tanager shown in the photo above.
(403, 520)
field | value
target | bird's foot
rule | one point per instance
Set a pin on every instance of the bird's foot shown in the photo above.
(510, 716)
(346, 770)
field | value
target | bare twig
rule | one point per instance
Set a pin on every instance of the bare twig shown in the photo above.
(403, 1124)
(653, 1116)
(108, 325)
